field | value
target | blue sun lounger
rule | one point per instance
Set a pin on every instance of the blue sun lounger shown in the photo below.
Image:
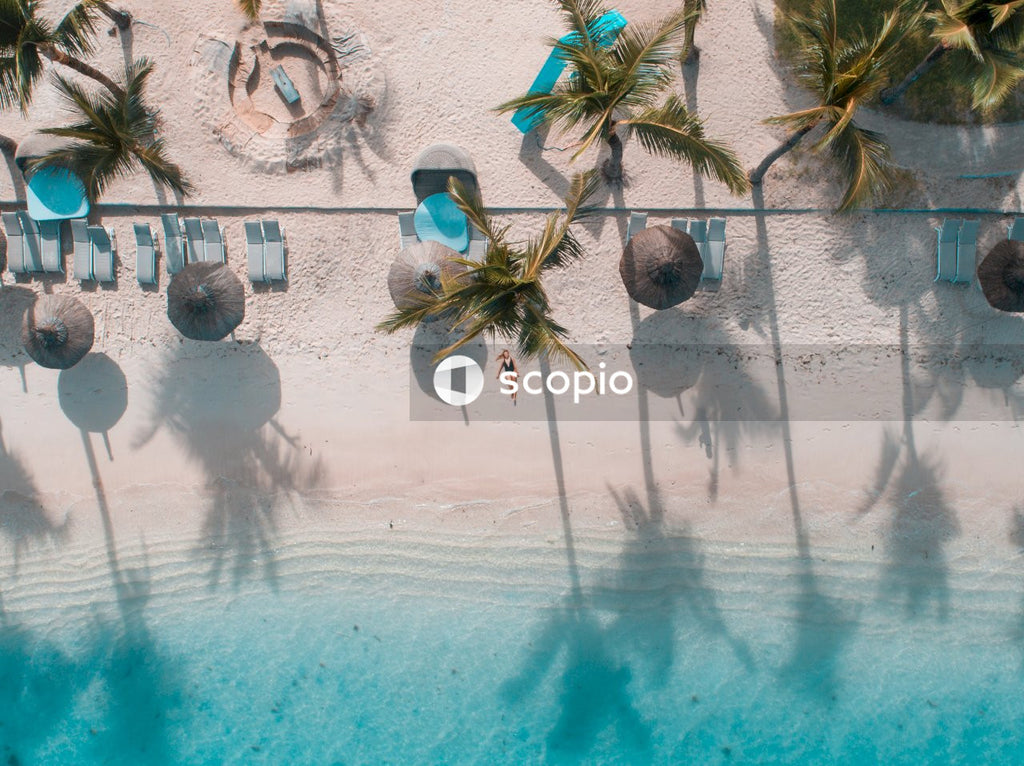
(966, 252)
(637, 223)
(174, 245)
(15, 243)
(946, 253)
(603, 30)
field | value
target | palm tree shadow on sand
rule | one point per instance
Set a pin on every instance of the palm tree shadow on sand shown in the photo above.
(23, 519)
(14, 302)
(123, 669)
(821, 623)
(221, 407)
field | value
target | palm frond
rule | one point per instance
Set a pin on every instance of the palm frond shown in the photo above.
(670, 130)
(1000, 71)
(251, 8)
(1003, 12)
(866, 162)
(642, 52)
(579, 14)
(112, 136)
(74, 33)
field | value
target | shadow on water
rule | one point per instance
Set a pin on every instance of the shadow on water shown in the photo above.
(127, 688)
(923, 522)
(221, 409)
(821, 622)
(1017, 538)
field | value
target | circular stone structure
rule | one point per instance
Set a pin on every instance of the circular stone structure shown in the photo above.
(286, 94)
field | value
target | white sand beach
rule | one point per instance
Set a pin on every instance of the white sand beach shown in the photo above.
(300, 430)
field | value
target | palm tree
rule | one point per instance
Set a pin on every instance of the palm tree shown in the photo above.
(26, 39)
(989, 36)
(613, 91)
(113, 137)
(694, 10)
(843, 76)
(505, 295)
(251, 8)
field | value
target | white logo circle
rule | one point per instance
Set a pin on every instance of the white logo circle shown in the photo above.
(458, 380)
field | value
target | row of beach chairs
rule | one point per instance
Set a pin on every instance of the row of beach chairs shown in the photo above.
(36, 247)
(709, 237)
(957, 250)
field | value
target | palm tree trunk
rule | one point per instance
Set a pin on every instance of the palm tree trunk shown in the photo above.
(613, 165)
(8, 145)
(889, 95)
(122, 19)
(757, 174)
(81, 67)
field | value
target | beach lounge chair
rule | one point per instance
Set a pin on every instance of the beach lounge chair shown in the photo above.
(946, 252)
(603, 31)
(145, 254)
(213, 241)
(274, 251)
(477, 250)
(1015, 230)
(33, 247)
(15, 243)
(714, 263)
(254, 251)
(174, 245)
(637, 222)
(82, 255)
(406, 229)
(49, 240)
(194, 238)
(104, 245)
(966, 252)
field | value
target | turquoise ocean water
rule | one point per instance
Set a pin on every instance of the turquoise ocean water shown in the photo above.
(657, 650)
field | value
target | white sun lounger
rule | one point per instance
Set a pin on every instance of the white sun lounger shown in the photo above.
(145, 254)
(49, 240)
(194, 238)
(1015, 230)
(82, 256)
(33, 247)
(174, 245)
(946, 252)
(714, 263)
(274, 251)
(15, 243)
(637, 222)
(966, 252)
(104, 245)
(477, 250)
(254, 251)
(213, 241)
(406, 229)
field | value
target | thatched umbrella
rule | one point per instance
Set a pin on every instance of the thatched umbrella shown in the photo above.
(661, 267)
(36, 146)
(418, 271)
(1001, 275)
(205, 301)
(57, 331)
